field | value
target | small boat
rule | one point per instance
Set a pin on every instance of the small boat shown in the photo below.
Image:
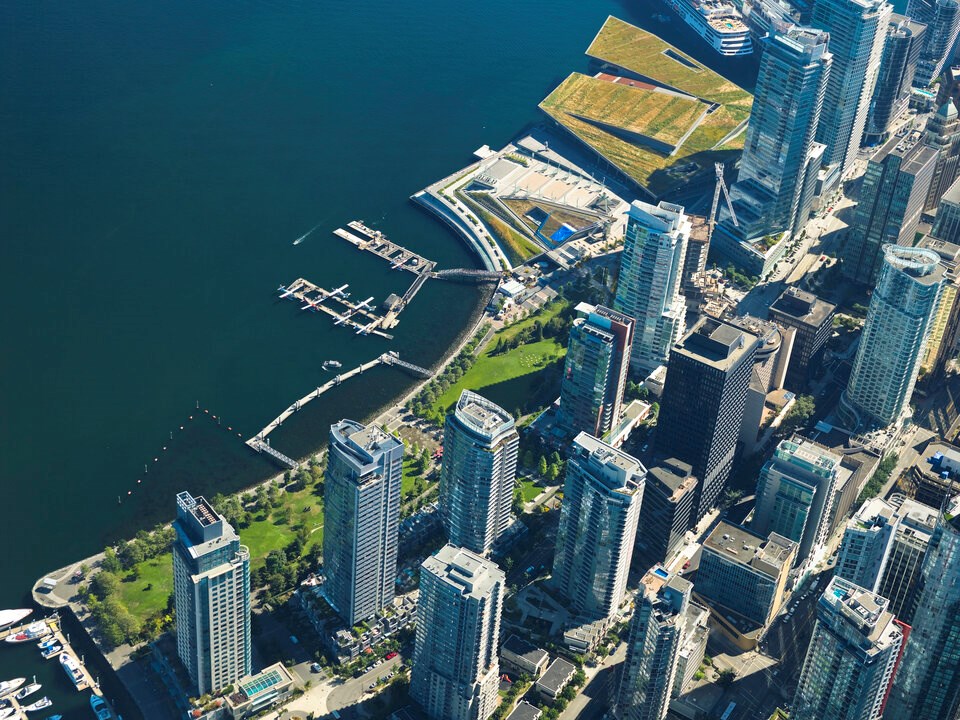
(332, 364)
(44, 644)
(31, 632)
(6, 712)
(49, 652)
(40, 704)
(8, 686)
(28, 690)
(99, 706)
(9, 617)
(72, 668)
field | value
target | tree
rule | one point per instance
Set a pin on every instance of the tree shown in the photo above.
(726, 677)
(105, 584)
(802, 410)
(110, 562)
(542, 466)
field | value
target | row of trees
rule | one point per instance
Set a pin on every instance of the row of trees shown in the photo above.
(144, 546)
(423, 405)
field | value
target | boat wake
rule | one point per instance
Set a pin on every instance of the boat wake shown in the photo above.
(306, 234)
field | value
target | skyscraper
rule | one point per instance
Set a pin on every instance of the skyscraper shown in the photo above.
(480, 445)
(595, 370)
(362, 509)
(598, 526)
(865, 548)
(927, 686)
(852, 656)
(653, 647)
(795, 494)
(650, 280)
(787, 105)
(946, 227)
(665, 515)
(901, 52)
(891, 199)
(703, 401)
(857, 32)
(942, 18)
(456, 672)
(812, 318)
(894, 335)
(943, 133)
(902, 573)
(211, 591)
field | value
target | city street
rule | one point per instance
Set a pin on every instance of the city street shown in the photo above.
(594, 699)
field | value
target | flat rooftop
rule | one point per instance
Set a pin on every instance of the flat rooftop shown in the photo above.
(803, 307)
(474, 575)
(743, 546)
(717, 343)
(524, 711)
(557, 675)
(482, 415)
(675, 475)
(523, 649)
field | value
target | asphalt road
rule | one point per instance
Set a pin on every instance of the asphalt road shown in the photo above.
(353, 690)
(594, 699)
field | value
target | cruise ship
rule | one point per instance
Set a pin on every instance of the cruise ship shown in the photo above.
(717, 22)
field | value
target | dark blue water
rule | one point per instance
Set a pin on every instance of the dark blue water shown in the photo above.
(157, 160)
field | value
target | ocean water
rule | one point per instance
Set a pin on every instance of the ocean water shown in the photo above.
(157, 161)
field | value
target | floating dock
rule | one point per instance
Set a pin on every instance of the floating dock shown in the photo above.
(377, 243)
(358, 316)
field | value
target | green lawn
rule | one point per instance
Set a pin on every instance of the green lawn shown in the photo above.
(410, 476)
(147, 595)
(529, 490)
(522, 361)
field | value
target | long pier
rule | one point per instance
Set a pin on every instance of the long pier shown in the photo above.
(314, 296)
(377, 243)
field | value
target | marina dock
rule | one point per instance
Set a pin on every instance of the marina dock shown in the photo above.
(358, 316)
(377, 243)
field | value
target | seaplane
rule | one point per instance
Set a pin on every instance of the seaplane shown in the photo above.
(365, 330)
(311, 304)
(352, 311)
(284, 293)
(340, 291)
(401, 261)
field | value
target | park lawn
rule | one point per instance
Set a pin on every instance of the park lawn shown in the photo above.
(548, 313)
(410, 476)
(525, 360)
(529, 490)
(147, 595)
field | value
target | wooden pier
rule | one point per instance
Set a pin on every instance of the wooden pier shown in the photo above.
(377, 243)
(358, 316)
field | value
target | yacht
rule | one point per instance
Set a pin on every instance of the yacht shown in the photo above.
(28, 690)
(31, 632)
(9, 617)
(72, 668)
(100, 709)
(8, 686)
(332, 364)
(40, 704)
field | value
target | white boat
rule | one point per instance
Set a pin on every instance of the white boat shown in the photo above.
(49, 652)
(44, 644)
(8, 686)
(6, 712)
(72, 668)
(332, 364)
(40, 704)
(9, 617)
(718, 22)
(28, 690)
(31, 632)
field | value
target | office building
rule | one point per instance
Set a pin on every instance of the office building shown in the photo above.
(480, 445)
(362, 509)
(891, 199)
(901, 575)
(598, 527)
(812, 318)
(943, 134)
(703, 402)
(865, 548)
(211, 594)
(891, 96)
(744, 572)
(667, 510)
(945, 328)
(595, 370)
(894, 337)
(927, 686)
(653, 648)
(795, 495)
(942, 18)
(456, 673)
(852, 656)
(857, 30)
(651, 269)
(946, 226)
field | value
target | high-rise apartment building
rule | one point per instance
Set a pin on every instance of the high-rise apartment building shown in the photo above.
(945, 328)
(362, 510)
(703, 401)
(891, 199)
(211, 593)
(480, 446)
(744, 572)
(666, 513)
(651, 269)
(795, 494)
(852, 656)
(595, 370)
(902, 573)
(943, 133)
(942, 18)
(866, 543)
(927, 686)
(598, 526)
(891, 96)
(653, 648)
(894, 336)
(857, 32)
(456, 673)
(787, 104)
(812, 318)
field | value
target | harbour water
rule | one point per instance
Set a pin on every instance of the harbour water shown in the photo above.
(159, 159)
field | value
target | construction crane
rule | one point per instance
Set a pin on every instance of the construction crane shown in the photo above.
(720, 185)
